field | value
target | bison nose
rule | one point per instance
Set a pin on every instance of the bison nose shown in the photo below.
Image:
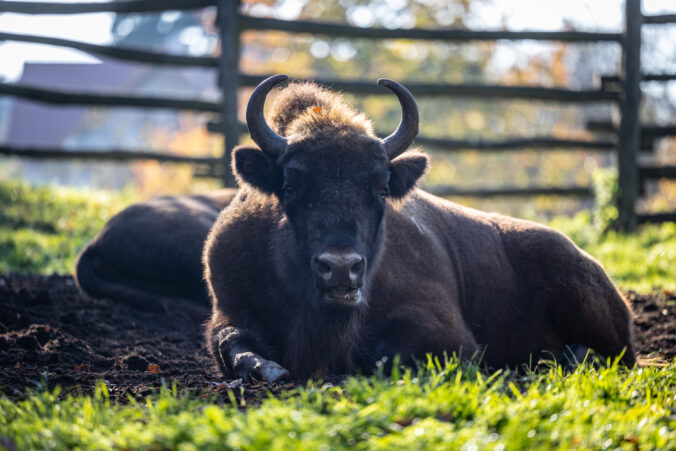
(339, 267)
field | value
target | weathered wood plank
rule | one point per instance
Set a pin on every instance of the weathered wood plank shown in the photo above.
(615, 79)
(649, 133)
(514, 143)
(122, 6)
(574, 191)
(79, 98)
(42, 153)
(228, 16)
(659, 19)
(443, 34)
(121, 53)
(657, 172)
(458, 90)
(656, 217)
(659, 131)
(647, 130)
(629, 134)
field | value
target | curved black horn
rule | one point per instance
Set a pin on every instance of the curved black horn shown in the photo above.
(403, 136)
(261, 133)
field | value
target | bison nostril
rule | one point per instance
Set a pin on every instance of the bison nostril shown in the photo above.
(358, 268)
(322, 269)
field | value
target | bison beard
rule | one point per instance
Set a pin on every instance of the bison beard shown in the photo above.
(329, 258)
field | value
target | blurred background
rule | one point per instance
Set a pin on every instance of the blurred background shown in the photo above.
(574, 66)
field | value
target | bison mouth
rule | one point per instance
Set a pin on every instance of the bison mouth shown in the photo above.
(345, 296)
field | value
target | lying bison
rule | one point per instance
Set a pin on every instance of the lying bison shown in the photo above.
(329, 258)
(151, 251)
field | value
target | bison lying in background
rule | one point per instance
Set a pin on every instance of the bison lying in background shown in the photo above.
(151, 251)
(329, 258)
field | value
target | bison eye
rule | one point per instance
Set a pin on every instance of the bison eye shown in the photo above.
(288, 191)
(384, 193)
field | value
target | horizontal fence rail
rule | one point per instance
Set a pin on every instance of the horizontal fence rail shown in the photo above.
(123, 6)
(657, 172)
(646, 129)
(123, 53)
(511, 144)
(75, 98)
(101, 155)
(458, 90)
(658, 131)
(441, 34)
(647, 218)
(646, 173)
(648, 132)
(326, 28)
(422, 90)
(660, 19)
(500, 145)
(574, 191)
(614, 79)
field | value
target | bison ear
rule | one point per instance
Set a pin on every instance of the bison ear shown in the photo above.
(405, 172)
(252, 166)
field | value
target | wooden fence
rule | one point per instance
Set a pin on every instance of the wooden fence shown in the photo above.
(623, 89)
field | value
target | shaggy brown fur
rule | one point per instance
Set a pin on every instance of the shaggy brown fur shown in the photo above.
(304, 109)
(151, 251)
(440, 277)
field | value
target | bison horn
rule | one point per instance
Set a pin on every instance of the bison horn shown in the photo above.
(261, 133)
(403, 136)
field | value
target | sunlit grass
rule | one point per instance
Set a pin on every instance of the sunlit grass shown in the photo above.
(43, 228)
(442, 406)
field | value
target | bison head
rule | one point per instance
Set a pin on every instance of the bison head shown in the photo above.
(333, 184)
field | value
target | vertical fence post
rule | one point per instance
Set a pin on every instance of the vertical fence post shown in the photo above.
(228, 12)
(630, 126)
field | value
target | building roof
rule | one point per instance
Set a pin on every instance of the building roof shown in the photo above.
(37, 124)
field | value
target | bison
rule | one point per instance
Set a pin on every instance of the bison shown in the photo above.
(329, 258)
(151, 252)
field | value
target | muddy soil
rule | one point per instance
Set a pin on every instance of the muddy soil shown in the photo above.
(50, 333)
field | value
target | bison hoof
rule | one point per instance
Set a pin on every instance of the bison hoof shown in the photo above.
(250, 365)
(272, 372)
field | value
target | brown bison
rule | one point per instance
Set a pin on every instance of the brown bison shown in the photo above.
(330, 258)
(151, 251)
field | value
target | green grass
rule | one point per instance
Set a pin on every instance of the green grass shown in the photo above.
(451, 406)
(42, 229)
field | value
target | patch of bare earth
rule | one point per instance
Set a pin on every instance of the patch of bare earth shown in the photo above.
(50, 332)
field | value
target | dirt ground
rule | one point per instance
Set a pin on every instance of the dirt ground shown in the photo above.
(50, 332)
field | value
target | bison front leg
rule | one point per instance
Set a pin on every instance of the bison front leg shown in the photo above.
(235, 350)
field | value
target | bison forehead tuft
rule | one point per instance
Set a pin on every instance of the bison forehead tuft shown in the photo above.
(304, 109)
